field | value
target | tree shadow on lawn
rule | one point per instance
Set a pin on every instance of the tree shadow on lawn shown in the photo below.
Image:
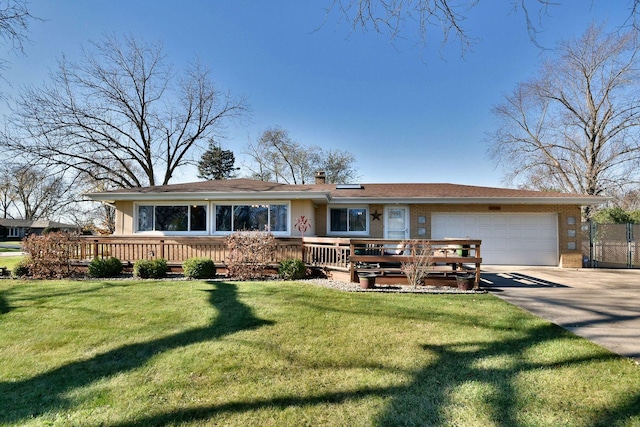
(26, 399)
(42, 294)
(427, 399)
(5, 307)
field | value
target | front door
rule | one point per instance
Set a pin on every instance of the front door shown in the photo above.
(396, 222)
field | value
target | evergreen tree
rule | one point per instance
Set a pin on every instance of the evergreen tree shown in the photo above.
(216, 163)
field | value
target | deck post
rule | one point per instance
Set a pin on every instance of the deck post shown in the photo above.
(352, 267)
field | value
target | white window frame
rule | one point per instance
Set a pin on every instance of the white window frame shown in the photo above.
(347, 232)
(234, 203)
(204, 232)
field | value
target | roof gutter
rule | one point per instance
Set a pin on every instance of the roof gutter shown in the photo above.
(112, 197)
(583, 201)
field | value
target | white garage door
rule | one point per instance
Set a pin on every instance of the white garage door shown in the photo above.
(507, 239)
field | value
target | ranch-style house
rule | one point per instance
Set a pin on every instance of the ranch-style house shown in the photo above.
(516, 227)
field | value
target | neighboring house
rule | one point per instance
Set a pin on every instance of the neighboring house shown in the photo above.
(19, 228)
(517, 227)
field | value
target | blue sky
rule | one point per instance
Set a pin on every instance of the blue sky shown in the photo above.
(407, 115)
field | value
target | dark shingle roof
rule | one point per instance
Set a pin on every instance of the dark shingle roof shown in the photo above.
(41, 223)
(369, 193)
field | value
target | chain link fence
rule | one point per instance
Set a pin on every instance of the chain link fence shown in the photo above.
(611, 245)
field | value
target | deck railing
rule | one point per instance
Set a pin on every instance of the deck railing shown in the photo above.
(174, 250)
(327, 252)
(338, 254)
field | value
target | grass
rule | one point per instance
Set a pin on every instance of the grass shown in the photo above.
(15, 246)
(192, 353)
(10, 261)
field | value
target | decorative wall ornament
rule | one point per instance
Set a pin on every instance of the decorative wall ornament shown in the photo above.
(303, 224)
(375, 215)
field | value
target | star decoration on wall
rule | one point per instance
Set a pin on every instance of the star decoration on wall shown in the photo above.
(375, 215)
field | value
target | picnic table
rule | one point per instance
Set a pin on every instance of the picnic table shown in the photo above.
(448, 257)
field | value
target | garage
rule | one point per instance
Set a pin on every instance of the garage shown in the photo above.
(507, 239)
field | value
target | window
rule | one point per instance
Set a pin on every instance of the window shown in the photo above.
(348, 220)
(252, 217)
(172, 218)
(198, 218)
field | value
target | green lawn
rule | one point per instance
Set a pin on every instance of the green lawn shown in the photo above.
(187, 353)
(10, 261)
(14, 246)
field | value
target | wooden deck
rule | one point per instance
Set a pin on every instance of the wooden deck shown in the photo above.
(343, 256)
(446, 260)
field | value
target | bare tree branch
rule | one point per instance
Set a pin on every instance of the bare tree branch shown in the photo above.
(424, 20)
(120, 114)
(276, 157)
(14, 25)
(576, 126)
(34, 192)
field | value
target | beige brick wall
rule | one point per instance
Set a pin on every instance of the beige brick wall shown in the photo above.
(321, 220)
(298, 209)
(376, 226)
(568, 234)
(124, 218)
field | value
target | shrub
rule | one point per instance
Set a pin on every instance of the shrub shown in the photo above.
(50, 255)
(292, 269)
(104, 267)
(250, 252)
(420, 255)
(199, 268)
(150, 269)
(21, 269)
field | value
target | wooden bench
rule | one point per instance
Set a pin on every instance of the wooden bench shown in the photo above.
(445, 265)
(447, 259)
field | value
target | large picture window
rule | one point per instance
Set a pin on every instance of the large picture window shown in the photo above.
(349, 220)
(172, 218)
(252, 217)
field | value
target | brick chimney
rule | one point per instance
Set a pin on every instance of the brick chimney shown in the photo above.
(321, 177)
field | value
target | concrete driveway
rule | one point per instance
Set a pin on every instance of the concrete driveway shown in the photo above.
(601, 305)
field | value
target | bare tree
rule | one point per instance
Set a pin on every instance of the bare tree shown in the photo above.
(38, 194)
(394, 18)
(283, 158)
(277, 157)
(338, 166)
(7, 196)
(100, 217)
(120, 115)
(14, 25)
(575, 127)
